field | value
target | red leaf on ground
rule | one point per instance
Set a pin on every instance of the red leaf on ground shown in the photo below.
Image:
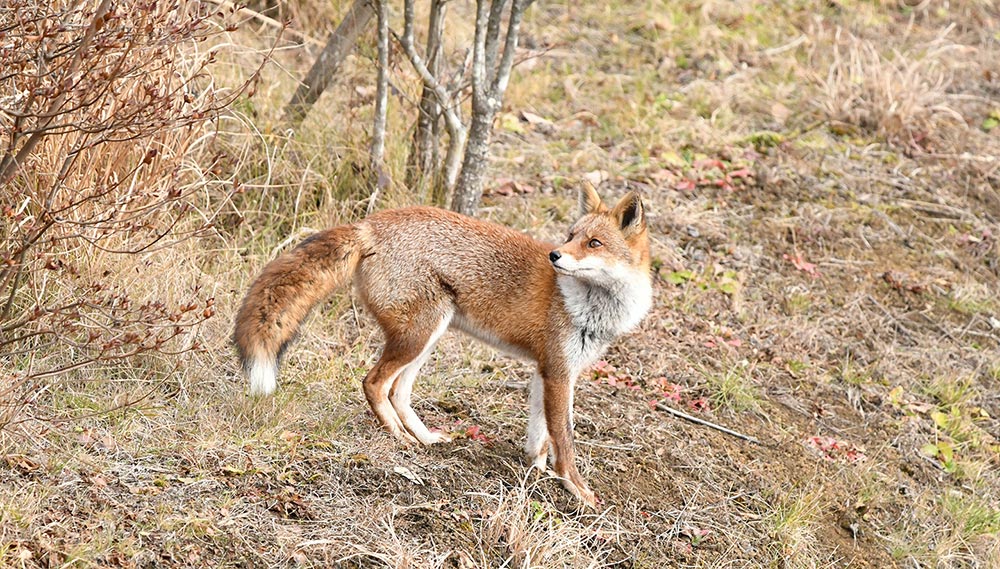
(663, 175)
(801, 264)
(835, 450)
(699, 404)
(507, 187)
(709, 163)
(685, 185)
(473, 433)
(669, 390)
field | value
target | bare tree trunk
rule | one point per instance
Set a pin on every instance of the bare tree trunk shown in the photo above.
(420, 162)
(424, 153)
(377, 171)
(489, 83)
(338, 46)
(469, 190)
(439, 190)
(450, 109)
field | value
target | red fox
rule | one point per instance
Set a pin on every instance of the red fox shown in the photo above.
(422, 270)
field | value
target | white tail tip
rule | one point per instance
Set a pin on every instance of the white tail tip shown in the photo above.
(263, 376)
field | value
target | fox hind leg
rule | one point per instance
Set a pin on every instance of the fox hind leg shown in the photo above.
(396, 356)
(402, 390)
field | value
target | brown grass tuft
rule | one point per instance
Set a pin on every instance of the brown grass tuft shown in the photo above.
(901, 95)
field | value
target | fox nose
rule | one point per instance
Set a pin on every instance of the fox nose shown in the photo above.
(554, 256)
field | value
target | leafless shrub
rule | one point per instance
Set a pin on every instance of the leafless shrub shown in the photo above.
(902, 98)
(492, 60)
(99, 104)
(483, 74)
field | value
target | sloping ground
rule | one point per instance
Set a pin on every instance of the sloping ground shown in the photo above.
(824, 191)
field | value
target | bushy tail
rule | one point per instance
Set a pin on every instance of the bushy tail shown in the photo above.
(283, 295)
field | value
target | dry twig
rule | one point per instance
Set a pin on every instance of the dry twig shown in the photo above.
(705, 423)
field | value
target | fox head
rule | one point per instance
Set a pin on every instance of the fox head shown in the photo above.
(606, 247)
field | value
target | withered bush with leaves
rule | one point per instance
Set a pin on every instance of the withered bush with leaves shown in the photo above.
(100, 103)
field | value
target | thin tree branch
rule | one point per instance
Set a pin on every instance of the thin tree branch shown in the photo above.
(509, 48)
(451, 112)
(424, 151)
(705, 423)
(12, 166)
(457, 133)
(408, 18)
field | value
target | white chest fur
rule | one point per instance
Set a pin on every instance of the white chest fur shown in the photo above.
(600, 314)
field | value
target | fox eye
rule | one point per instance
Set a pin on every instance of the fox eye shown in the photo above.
(594, 244)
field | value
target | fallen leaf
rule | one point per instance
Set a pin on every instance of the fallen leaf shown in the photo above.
(232, 471)
(685, 185)
(709, 164)
(85, 437)
(474, 433)
(699, 404)
(741, 173)
(801, 264)
(107, 442)
(535, 120)
(835, 450)
(663, 175)
(408, 474)
(672, 392)
(595, 177)
(507, 187)
(21, 463)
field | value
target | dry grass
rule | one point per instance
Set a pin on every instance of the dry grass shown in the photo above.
(794, 521)
(902, 96)
(119, 136)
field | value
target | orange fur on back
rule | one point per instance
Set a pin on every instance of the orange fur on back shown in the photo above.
(498, 279)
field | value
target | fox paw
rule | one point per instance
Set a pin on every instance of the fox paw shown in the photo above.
(585, 494)
(403, 435)
(540, 462)
(436, 437)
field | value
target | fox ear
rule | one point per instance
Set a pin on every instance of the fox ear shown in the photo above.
(630, 214)
(590, 202)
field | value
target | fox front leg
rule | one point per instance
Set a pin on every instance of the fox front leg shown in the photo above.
(557, 400)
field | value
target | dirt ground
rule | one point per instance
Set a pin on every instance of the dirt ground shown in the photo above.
(823, 187)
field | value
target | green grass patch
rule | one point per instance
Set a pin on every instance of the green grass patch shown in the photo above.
(733, 389)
